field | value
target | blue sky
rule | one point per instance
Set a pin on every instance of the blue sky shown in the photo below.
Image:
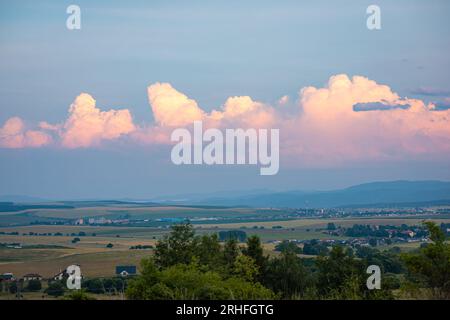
(209, 51)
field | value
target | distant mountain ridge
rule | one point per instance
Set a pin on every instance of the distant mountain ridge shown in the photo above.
(392, 192)
(389, 193)
(20, 198)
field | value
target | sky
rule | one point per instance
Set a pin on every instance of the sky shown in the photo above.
(88, 113)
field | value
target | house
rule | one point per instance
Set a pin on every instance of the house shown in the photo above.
(14, 246)
(63, 274)
(32, 276)
(7, 277)
(409, 233)
(125, 271)
(60, 275)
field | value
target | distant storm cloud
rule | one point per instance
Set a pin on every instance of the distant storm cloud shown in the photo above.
(347, 120)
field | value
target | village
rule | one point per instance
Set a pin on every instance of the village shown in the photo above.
(55, 286)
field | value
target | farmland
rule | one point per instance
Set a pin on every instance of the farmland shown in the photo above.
(48, 248)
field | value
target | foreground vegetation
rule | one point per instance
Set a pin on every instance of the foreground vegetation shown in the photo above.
(186, 265)
(189, 266)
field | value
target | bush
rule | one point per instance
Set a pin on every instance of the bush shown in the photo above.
(79, 295)
(94, 285)
(75, 240)
(190, 282)
(287, 245)
(34, 285)
(431, 265)
(238, 235)
(314, 247)
(55, 289)
(13, 288)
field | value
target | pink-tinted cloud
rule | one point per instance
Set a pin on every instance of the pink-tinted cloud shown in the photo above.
(329, 130)
(283, 100)
(244, 112)
(325, 130)
(172, 108)
(88, 126)
(13, 134)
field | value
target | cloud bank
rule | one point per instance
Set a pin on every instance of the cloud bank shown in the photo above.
(348, 119)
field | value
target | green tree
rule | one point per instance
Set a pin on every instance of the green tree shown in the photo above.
(315, 247)
(245, 268)
(373, 242)
(177, 247)
(287, 245)
(388, 260)
(76, 239)
(94, 285)
(255, 251)
(230, 253)
(286, 275)
(209, 251)
(188, 281)
(13, 288)
(55, 288)
(341, 276)
(337, 271)
(331, 226)
(34, 285)
(431, 265)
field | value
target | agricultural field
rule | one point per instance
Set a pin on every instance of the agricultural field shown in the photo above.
(48, 254)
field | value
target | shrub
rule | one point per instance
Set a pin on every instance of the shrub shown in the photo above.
(34, 285)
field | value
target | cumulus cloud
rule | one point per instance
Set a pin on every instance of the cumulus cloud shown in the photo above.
(172, 108)
(87, 125)
(346, 120)
(13, 134)
(242, 111)
(330, 131)
(283, 100)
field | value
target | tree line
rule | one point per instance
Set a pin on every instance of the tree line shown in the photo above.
(190, 266)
